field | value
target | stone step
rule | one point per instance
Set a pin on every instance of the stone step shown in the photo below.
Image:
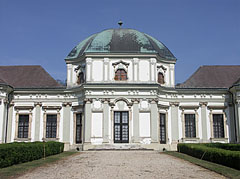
(118, 147)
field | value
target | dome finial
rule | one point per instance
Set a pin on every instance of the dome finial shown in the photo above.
(120, 23)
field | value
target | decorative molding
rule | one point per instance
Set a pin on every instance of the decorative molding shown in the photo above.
(153, 100)
(174, 104)
(195, 107)
(120, 62)
(23, 107)
(37, 104)
(216, 107)
(203, 104)
(75, 108)
(162, 67)
(105, 100)
(58, 108)
(135, 100)
(161, 106)
(88, 100)
(64, 104)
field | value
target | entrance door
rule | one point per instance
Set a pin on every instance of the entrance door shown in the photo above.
(121, 127)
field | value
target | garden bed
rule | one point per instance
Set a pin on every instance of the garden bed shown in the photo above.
(20, 152)
(224, 154)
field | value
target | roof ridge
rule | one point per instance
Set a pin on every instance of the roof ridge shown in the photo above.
(20, 66)
(220, 65)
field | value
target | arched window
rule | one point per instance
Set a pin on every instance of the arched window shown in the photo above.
(80, 78)
(120, 75)
(160, 78)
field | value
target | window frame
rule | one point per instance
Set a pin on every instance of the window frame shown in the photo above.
(218, 133)
(47, 136)
(25, 134)
(190, 126)
(163, 126)
(76, 128)
(121, 76)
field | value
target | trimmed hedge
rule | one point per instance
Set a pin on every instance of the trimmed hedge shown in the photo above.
(232, 147)
(20, 152)
(216, 155)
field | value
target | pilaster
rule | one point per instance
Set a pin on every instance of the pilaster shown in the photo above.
(154, 121)
(135, 120)
(174, 122)
(106, 120)
(88, 120)
(66, 121)
(9, 124)
(203, 106)
(37, 121)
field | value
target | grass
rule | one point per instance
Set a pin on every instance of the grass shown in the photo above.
(223, 170)
(20, 169)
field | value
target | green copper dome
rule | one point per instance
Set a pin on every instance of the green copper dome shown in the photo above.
(121, 41)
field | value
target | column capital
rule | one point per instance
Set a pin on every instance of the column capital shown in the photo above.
(174, 104)
(88, 100)
(153, 100)
(105, 100)
(203, 104)
(37, 104)
(135, 100)
(65, 104)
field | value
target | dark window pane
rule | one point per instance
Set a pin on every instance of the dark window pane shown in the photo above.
(23, 125)
(120, 75)
(190, 128)
(121, 128)
(163, 128)
(78, 128)
(218, 126)
(160, 78)
(51, 126)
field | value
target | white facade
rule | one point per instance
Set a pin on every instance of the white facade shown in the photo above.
(139, 103)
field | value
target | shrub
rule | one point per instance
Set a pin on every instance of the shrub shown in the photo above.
(232, 147)
(20, 152)
(216, 155)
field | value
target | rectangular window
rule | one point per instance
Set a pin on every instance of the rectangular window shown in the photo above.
(51, 126)
(78, 128)
(23, 124)
(190, 126)
(218, 127)
(162, 128)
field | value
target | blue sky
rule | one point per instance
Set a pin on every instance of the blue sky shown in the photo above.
(203, 32)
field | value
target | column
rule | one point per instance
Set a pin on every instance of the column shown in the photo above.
(154, 121)
(153, 69)
(135, 120)
(136, 69)
(105, 121)
(174, 122)
(66, 122)
(87, 118)
(183, 124)
(9, 124)
(203, 106)
(105, 69)
(89, 70)
(69, 75)
(238, 121)
(37, 121)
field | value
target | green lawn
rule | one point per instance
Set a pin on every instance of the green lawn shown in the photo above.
(226, 171)
(20, 169)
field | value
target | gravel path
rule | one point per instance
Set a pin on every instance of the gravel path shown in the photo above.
(121, 164)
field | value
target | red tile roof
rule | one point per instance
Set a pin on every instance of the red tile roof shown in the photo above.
(213, 77)
(27, 77)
